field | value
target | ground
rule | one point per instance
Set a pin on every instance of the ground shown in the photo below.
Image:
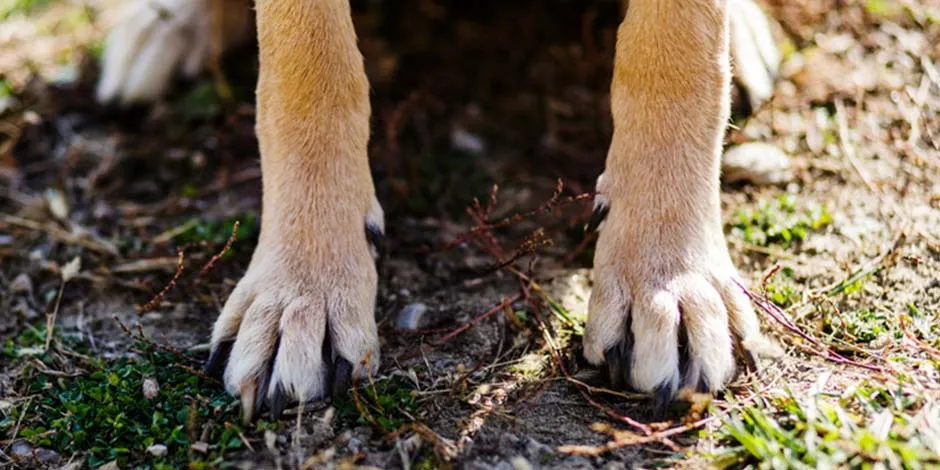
(116, 228)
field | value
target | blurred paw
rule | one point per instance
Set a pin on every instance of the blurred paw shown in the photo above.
(158, 39)
(754, 52)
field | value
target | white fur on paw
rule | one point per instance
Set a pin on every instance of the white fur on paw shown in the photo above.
(754, 52)
(601, 207)
(663, 316)
(295, 316)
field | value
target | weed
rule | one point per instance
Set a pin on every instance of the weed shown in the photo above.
(386, 404)
(200, 102)
(859, 326)
(10, 8)
(779, 222)
(782, 289)
(103, 410)
(217, 232)
(442, 181)
(870, 426)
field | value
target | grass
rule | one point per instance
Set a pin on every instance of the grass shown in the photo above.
(869, 425)
(782, 221)
(77, 402)
(861, 326)
(94, 409)
(10, 8)
(216, 232)
(386, 404)
(782, 289)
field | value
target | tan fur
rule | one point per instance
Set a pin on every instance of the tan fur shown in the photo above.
(661, 260)
(662, 250)
(312, 266)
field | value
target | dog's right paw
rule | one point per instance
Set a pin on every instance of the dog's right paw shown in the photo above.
(160, 38)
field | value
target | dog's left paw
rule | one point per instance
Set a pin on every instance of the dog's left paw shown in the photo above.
(666, 304)
(754, 53)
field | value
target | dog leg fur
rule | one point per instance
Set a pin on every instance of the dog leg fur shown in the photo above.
(665, 302)
(302, 317)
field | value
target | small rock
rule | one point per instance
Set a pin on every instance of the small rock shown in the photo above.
(102, 210)
(71, 269)
(410, 317)
(112, 465)
(47, 456)
(757, 163)
(520, 463)
(354, 445)
(536, 450)
(157, 450)
(57, 204)
(74, 465)
(462, 139)
(270, 440)
(21, 450)
(150, 388)
(22, 284)
(200, 447)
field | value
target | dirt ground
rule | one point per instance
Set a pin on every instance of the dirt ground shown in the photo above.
(467, 95)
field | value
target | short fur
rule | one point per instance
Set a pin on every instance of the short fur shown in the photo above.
(666, 304)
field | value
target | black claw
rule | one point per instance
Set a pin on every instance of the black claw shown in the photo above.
(662, 397)
(615, 365)
(278, 401)
(600, 213)
(264, 382)
(215, 365)
(685, 356)
(619, 358)
(376, 238)
(261, 395)
(342, 378)
(753, 365)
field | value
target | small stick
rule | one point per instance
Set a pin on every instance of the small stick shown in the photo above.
(50, 318)
(228, 246)
(152, 304)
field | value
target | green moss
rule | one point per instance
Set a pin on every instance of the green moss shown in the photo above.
(216, 233)
(782, 289)
(386, 404)
(101, 412)
(780, 221)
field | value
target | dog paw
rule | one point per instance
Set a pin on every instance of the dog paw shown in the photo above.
(753, 50)
(300, 323)
(666, 304)
(158, 39)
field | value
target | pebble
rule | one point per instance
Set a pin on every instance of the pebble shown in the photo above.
(157, 450)
(410, 317)
(757, 163)
(150, 388)
(21, 450)
(520, 463)
(47, 456)
(22, 284)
